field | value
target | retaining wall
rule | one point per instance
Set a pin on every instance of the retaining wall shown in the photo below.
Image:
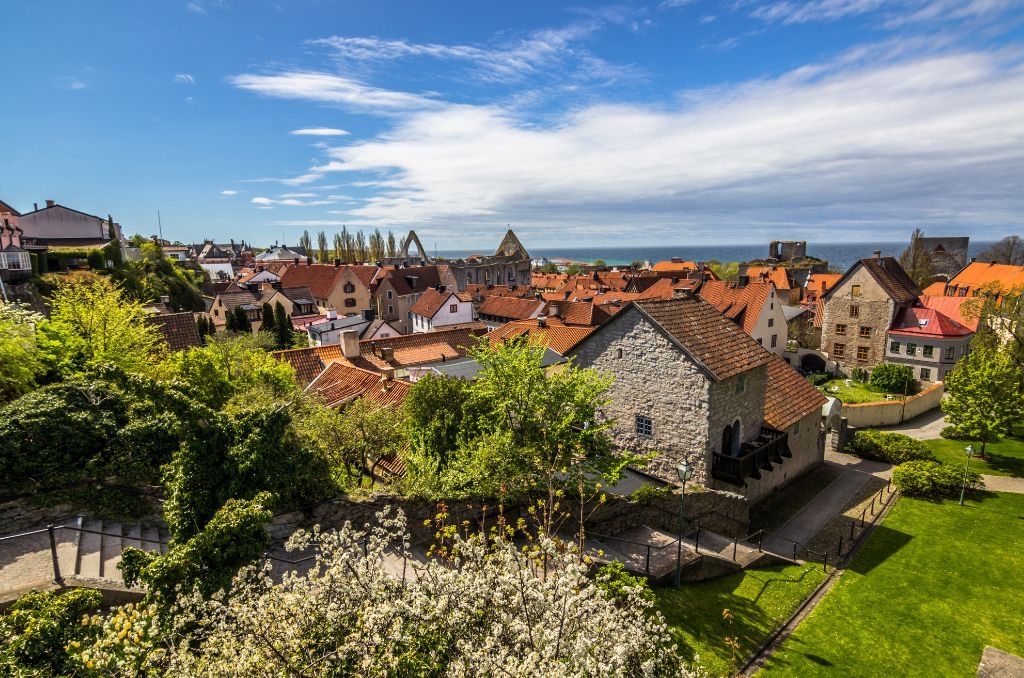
(889, 412)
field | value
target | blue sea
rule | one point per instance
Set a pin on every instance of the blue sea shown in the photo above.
(839, 255)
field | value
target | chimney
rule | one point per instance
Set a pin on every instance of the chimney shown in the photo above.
(165, 299)
(387, 375)
(387, 353)
(350, 344)
(332, 314)
(309, 260)
(35, 207)
(50, 203)
(542, 321)
(369, 314)
(878, 254)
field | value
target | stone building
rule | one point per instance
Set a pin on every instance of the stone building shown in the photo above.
(509, 265)
(860, 309)
(690, 384)
(947, 255)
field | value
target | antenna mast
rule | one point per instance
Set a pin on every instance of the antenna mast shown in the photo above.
(160, 225)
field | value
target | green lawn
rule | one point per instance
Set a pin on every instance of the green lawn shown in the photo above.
(1006, 458)
(759, 601)
(934, 585)
(856, 392)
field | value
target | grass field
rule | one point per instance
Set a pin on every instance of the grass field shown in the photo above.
(1006, 458)
(934, 585)
(758, 600)
(856, 392)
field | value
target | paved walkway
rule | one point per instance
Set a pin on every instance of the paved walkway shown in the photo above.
(1004, 484)
(926, 426)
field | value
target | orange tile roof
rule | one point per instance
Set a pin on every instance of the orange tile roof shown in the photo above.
(740, 304)
(672, 265)
(668, 288)
(341, 382)
(936, 289)
(578, 313)
(979, 274)
(774, 274)
(819, 283)
(309, 362)
(711, 339)
(557, 336)
(548, 281)
(417, 349)
(430, 302)
(951, 307)
(511, 308)
(789, 397)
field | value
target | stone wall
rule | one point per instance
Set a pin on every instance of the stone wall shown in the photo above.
(653, 378)
(887, 413)
(875, 309)
(729, 404)
(807, 443)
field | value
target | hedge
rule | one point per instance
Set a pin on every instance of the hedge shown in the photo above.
(929, 478)
(894, 448)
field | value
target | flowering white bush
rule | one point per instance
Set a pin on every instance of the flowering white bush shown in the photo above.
(488, 609)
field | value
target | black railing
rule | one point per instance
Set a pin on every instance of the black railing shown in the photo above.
(769, 448)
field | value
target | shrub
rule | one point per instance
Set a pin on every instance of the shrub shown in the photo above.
(37, 628)
(894, 378)
(647, 493)
(953, 433)
(888, 446)
(819, 378)
(929, 478)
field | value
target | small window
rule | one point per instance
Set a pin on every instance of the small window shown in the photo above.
(391, 295)
(840, 329)
(349, 288)
(894, 347)
(216, 313)
(350, 302)
(741, 384)
(927, 351)
(453, 308)
(950, 352)
(862, 352)
(865, 332)
(855, 311)
(644, 426)
(618, 353)
(926, 374)
(855, 291)
(911, 349)
(771, 322)
(838, 350)
(391, 309)
(775, 340)
(760, 342)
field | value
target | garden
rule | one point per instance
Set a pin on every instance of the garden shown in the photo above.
(885, 382)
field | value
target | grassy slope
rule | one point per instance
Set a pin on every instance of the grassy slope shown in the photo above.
(759, 601)
(1006, 458)
(934, 585)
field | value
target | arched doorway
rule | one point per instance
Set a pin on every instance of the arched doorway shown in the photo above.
(812, 362)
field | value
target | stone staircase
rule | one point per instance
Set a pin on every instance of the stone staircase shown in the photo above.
(100, 545)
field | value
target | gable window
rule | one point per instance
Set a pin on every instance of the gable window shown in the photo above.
(644, 426)
(618, 353)
(855, 311)
(949, 352)
(775, 340)
(855, 290)
(911, 349)
(862, 353)
(760, 341)
(771, 322)
(838, 350)
(349, 288)
(391, 295)
(865, 332)
(840, 328)
(453, 308)
(926, 374)
(927, 351)
(894, 347)
(350, 302)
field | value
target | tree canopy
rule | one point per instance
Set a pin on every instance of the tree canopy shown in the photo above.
(916, 260)
(1009, 250)
(983, 397)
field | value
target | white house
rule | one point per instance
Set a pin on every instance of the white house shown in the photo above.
(438, 308)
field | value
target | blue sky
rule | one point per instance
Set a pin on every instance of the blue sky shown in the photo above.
(672, 122)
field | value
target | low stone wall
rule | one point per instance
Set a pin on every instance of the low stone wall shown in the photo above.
(887, 413)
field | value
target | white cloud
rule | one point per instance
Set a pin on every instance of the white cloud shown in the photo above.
(195, 8)
(894, 13)
(289, 200)
(319, 132)
(843, 146)
(229, 192)
(788, 12)
(184, 79)
(72, 83)
(328, 88)
(298, 195)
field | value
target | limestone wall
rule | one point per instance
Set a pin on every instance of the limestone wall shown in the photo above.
(887, 413)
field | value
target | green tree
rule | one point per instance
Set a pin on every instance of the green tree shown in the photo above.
(283, 325)
(92, 322)
(321, 247)
(306, 243)
(729, 270)
(1009, 250)
(39, 626)
(916, 261)
(20, 361)
(268, 325)
(392, 248)
(893, 378)
(443, 416)
(983, 398)
(242, 324)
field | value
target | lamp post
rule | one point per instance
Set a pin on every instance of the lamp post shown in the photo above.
(970, 451)
(685, 472)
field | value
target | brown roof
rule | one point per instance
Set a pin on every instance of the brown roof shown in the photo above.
(413, 280)
(789, 396)
(740, 304)
(711, 339)
(292, 294)
(511, 308)
(558, 337)
(179, 329)
(663, 288)
(309, 362)
(417, 349)
(430, 302)
(231, 300)
(4, 207)
(578, 313)
(889, 275)
(341, 382)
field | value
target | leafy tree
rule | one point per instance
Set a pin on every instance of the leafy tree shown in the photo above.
(573, 269)
(893, 378)
(1001, 315)
(376, 245)
(983, 398)
(92, 322)
(549, 268)
(916, 260)
(305, 242)
(321, 247)
(268, 325)
(283, 325)
(443, 417)
(1009, 250)
(242, 324)
(392, 248)
(20, 362)
(729, 270)
(39, 626)
(599, 262)
(230, 322)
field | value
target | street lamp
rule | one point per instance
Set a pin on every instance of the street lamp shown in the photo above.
(970, 451)
(685, 472)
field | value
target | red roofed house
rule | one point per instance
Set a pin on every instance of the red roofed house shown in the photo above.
(690, 384)
(928, 341)
(496, 311)
(775, 274)
(550, 332)
(343, 288)
(437, 308)
(755, 307)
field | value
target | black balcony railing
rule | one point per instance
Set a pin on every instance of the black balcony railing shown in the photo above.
(769, 448)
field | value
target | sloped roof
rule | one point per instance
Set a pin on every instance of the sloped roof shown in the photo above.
(820, 283)
(510, 246)
(320, 279)
(280, 253)
(418, 349)
(665, 288)
(951, 307)
(412, 280)
(978, 274)
(364, 273)
(296, 295)
(740, 304)
(889, 275)
(430, 302)
(789, 397)
(4, 207)
(772, 273)
(671, 265)
(711, 339)
(309, 362)
(557, 336)
(482, 290)
(927, 323)
(234, 299)
(936, 289)
(341, 382)
(578, 313)
(179, 329)
(511, 307)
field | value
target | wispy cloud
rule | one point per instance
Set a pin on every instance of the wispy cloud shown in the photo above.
(319, 132)
(71, 82)
(229, 192)
(329, 88)
(891, 13)
(264, 201)
(184, 79)
(195, 8)
(787, 12)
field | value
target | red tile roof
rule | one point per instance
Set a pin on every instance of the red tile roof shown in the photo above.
(321, 279)
(510, 308)
(417, 349)
(979, 274)
(740, 304)
(789, 397)
(775, 274)
(951, 307)
(179, 329)
(483, 291)
(309, 362)
(927, 323)
(708, 337)
(430, 302)
(557, 336)
(581, 313)
(341, 382)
